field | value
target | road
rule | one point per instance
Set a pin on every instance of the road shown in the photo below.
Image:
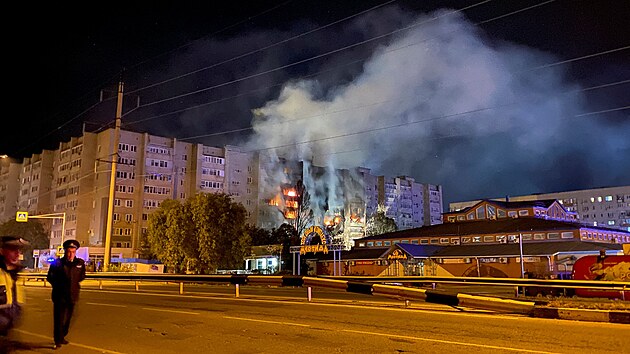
(266, 320)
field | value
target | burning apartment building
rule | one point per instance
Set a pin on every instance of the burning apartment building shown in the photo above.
(341, 200)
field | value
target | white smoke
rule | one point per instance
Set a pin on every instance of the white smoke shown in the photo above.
(425, 105)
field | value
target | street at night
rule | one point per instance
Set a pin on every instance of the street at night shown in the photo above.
(264, 320)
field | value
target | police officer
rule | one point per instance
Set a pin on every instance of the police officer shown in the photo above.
(64, 275)
(11, 293)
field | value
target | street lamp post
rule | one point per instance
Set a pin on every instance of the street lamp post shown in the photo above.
(112, 181)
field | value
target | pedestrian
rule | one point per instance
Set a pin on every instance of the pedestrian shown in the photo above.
(64, 275)
(11, 292)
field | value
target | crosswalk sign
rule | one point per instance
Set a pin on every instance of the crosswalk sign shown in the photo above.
(21, 216)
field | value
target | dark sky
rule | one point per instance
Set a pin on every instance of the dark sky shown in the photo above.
(199, 69)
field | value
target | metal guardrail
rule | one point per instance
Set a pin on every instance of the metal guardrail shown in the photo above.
(297, 280)
(369, 285)
(521, 282)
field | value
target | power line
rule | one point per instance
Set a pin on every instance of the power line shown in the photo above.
(263, 48)
(208, 35)
(140, 63)
(371, 130)
(314, 57)
(611, 84)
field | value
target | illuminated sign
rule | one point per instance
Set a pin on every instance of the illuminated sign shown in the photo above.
(397, 254)
(21, 216)
(306, 239)
(313, 248)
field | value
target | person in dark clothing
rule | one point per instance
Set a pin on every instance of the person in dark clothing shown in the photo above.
(64, 275)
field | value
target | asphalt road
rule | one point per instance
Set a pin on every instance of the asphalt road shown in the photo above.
(264, 320)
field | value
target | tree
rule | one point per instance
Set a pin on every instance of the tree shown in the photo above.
(304, 216)
(206, 233)
(165, 237)
(287, 236)
(379, 223)
(33, 231)
(259, 235)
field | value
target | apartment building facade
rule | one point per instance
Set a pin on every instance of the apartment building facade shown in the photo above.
(344, 199)
(603, 207)
(74, 180)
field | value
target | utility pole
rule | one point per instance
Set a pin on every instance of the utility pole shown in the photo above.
(112, 180)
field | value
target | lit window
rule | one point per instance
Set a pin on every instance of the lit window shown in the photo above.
(609, 198)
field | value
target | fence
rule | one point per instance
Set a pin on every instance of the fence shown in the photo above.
(398, 287)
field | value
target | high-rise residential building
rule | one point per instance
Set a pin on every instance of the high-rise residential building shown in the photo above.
(9, 187)
(409, 203)
(342, 200)
(75, 181)
(604, 207)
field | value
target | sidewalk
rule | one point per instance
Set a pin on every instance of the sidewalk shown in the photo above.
(578, 314)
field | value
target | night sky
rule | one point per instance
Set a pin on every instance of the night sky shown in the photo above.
(489, 101)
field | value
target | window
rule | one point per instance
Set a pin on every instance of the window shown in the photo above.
(444, 240)
(523, 212)
(567, 235)
(424, 241)
(388, 243)
(492, 211)
(379, 243)
(370, 244)
(539, 236)
(512, 214)
(488, 239)
(553, 235)
(481, 212)
(527, 237)
(476, 239)
(128, 218)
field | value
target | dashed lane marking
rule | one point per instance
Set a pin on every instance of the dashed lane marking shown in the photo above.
(96, 349)
(520, 350)
(101, 304)
(266, 321)
(172, 311)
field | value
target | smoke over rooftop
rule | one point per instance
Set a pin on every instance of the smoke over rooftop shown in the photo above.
(442, 103)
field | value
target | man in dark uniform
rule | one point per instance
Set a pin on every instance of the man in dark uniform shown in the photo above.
(64, 275)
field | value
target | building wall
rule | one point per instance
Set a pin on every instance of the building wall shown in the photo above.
(9, 188)
(607, 207)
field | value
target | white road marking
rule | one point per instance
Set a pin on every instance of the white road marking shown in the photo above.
(520, 350)
(97, 349)
(100, 304)
(266, 321)
(173, 311)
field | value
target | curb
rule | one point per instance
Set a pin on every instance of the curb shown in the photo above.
(582, 314)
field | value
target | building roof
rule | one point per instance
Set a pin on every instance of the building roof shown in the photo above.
(546, 203)
(355, 253)
(480, 227)
(529, 249)
(419, 251)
